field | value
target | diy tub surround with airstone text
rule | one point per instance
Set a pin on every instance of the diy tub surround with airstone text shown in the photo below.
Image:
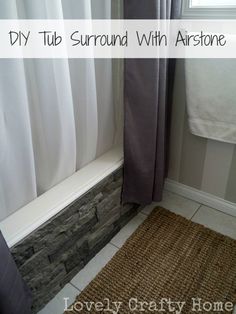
(54, 253)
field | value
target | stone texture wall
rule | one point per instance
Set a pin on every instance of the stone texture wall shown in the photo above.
(51, 256)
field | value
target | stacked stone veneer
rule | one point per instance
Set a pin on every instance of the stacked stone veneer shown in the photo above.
(51, 256)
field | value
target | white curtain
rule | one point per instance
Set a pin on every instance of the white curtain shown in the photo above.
(56, 116)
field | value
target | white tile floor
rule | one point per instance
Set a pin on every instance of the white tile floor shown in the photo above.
(209, 217)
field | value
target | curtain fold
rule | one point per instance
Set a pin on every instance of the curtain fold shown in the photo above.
(148, 88)
(57, 115)
(17, 163)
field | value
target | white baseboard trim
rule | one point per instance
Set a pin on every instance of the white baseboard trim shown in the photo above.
(201, 197)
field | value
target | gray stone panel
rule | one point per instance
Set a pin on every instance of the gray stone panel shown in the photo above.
(53, 254)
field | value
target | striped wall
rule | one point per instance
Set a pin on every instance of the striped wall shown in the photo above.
(201, 163)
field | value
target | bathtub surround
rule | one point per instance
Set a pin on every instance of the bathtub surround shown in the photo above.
(15, 296)
(148, 89)
(54, 253)
(211, 98)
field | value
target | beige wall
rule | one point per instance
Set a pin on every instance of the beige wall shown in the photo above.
(201, 163)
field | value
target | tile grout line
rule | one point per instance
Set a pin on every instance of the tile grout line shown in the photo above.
(114, 245)
(186, 197)
(218, 210)
(75, 286)
(200, 205)
(190, 199)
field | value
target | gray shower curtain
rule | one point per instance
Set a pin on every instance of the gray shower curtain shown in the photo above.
(147, 91)
(15, 296)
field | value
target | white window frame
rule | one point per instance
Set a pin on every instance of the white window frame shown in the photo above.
(217, 12)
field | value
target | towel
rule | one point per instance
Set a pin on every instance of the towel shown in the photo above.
(15, 297)
(211, 98)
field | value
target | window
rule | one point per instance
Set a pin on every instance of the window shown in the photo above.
(223, 9)
(212, 3)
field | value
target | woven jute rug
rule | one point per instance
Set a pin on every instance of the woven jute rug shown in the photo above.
(169, 265)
